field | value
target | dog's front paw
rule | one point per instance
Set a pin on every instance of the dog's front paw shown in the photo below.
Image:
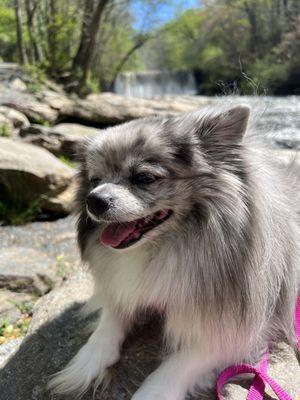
(89, 365)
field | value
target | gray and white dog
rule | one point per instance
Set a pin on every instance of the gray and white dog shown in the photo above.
(185, 215)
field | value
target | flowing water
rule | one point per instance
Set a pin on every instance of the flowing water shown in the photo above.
(278, 117)
(155, 83)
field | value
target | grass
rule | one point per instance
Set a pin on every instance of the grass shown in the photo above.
(67, 161)
(5, 130)
(16, 214)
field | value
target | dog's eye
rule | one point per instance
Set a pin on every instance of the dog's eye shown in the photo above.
(143, 178)
(95, 182)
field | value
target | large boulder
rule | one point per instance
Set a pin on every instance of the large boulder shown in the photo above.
(29, 173)
(35, 110)
(39, 102)
(27, 270)
(110, 108)
(17, 119)
(62, 139)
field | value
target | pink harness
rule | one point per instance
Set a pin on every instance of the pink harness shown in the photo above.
(261, 378)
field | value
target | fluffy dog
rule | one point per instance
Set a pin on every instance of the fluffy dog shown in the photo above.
(183, 214)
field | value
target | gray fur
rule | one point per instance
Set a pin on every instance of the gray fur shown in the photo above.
(225, 267)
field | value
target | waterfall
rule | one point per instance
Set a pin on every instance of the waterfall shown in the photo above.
(155, 83)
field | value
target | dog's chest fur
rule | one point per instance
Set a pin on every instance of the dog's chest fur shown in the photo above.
(133, 280)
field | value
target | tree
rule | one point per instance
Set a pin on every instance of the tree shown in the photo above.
(20, 41)
(35, 51)
(93, 12)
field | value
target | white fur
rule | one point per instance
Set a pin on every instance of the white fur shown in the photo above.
(226, 280)
(90, 363)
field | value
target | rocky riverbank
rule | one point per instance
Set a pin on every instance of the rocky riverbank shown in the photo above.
(42, 284)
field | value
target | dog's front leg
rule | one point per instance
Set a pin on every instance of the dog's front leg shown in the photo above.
(175, 377)
(90, 363)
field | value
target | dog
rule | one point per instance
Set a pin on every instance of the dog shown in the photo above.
(187, 216)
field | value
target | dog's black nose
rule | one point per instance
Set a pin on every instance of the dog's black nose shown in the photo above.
(97, 204)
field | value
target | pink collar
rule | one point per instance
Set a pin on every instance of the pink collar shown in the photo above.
(261, 378)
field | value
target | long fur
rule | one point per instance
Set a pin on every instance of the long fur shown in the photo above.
(225, 268)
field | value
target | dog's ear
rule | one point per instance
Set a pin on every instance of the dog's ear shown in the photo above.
(225, 128)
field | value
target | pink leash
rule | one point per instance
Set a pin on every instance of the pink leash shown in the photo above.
(261, 378)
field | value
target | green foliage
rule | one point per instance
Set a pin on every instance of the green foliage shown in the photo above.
(5, 130)
(67, 161)
(36, 76)
(17, 214)
(224, 40)
(234, 42)
(8, 43)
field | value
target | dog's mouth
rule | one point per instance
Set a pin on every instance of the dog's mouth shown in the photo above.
(120, 235)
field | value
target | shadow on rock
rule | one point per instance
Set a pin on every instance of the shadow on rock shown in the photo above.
(57, 332)
(49, 349)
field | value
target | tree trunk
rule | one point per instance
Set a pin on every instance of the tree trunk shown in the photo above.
(52, 37)
(90, 26)
(31, 7)
(21, 47)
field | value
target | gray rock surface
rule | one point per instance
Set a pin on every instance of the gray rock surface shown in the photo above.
(53, 241)
(56, 333)
(28, 173)
(26, 103)
(27, 270)
(18, 119)
(62, 139)
(110, 108)
(8, 349)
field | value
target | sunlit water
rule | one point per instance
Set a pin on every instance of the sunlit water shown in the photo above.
(278, 118)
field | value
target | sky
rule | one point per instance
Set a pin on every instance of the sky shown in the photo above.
(144, 16)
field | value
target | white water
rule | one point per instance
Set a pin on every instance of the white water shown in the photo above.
(279, 118)
(155, 83)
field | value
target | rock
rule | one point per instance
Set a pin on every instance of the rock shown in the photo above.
(27, 270)
(8, 349)
(9, 70)
(18, 119)
(284, 369)
(62, 203)
(56, 333)
(62, 139)
(56, 99)
(55, 241)
(17, 84)
(35, 111)
(53, 337)
(110, 108)
(29, 173)
(11, 304)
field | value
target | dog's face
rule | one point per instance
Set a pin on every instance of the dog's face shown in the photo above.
(138, 179)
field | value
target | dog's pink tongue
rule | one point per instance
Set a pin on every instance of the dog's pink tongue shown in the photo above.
(114, 234)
